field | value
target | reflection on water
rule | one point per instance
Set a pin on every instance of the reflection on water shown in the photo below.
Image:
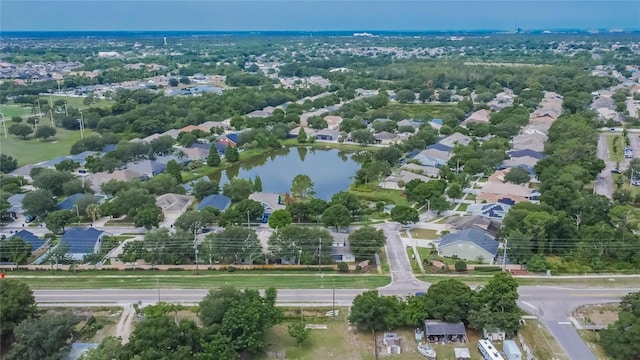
(330, 169)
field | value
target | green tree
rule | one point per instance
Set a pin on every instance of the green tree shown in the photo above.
(67, 165)
(7, 163)
(257, 184)
(449, 300)
(191, 221)
(213, 159)
(148, 217)
(363, 137)
(242, 316)
(57, 220)
(129, 202)
(231, 154)
(54, 181)
(298, 332)
(159, 337)
(518, 175)
(238, 189)
(18, 304)
(93, 211)
(302, 186)
(497, 306)
(236, 245)
(404, 214)
(20, 130)
(366, 241)
(302, 136)
(620, 339)
(45, 132)
(454, 191)
(460, 265)
(337, 216)
(15, 250)
(16, 119)
(253, 208)
(372, 312)
(280, 219)
(110, 348)
(173, 169)
(302, 243)
(389, 154)
(45, 337)
(405, 96)
(205, 188)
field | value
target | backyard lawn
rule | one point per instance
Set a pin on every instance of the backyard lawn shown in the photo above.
(389, 196)
(77, 101)
(424, 234)
(33, 151)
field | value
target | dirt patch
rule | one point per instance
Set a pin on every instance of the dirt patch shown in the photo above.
(598, 314)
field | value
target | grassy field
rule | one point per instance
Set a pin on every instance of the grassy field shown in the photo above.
(541, 342)
(616, 153)
(386, 195)
(421, 111)
(414, 265)
(130, 280)
(592, 339)
(424, 234)
(77, 102)
(32, 151)
(14, 110)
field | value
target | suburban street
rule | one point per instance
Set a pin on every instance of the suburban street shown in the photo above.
(604, 182)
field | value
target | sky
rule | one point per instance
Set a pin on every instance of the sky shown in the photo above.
(315, 15)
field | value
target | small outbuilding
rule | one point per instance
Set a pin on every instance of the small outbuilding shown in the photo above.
(494, 335)
(391, 341)
(511, 351)
(462, 353)
(437, 331)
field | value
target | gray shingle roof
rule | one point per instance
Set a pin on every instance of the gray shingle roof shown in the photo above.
(477, 237)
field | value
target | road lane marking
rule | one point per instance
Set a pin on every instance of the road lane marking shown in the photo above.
(564, 322)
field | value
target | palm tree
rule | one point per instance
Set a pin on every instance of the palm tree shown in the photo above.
(93, 211)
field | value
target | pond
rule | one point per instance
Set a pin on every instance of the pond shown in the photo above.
(330, 169)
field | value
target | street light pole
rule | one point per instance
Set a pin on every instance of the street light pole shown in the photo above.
(504, 256)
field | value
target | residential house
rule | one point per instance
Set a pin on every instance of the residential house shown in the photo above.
(333, 122)
(207, 126)
(260, 114)
(15, 205)
(217, 201)
(293, 133)
(30, 238)
(408, 122)
(82, 241)
(190, 128)
(427, 160)
(481, 223)
(456, 138)
(386, 138)
(100, 178)
(151, 137)
(495, 211)
(270, 201)
(521, 161)
(327, 134)
(195, 153)
(539, 128)
(429, 171)
(533, 142)
(340, 249)
(146, 168)
(526, 153)
(469, 244)
(25, 171)
(494, 191)
(394, 180)
(173, 204)
(173, 133)
(436, 123)
(480, 116)
(71, 202)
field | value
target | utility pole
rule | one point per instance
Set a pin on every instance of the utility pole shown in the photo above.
(333, 301)
(81, 120)
(195, 248)
(4, 125)
(248, 225)
(51, 108)
(66, 111)
(504, 256)
(158, 287)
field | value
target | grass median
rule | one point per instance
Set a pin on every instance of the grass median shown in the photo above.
(189, 280)
(478, 280)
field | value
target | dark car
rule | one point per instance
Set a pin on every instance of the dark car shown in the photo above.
(616, 171)
(29, 218)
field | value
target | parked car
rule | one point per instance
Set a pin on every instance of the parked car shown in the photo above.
(29, 219)
(616, 171)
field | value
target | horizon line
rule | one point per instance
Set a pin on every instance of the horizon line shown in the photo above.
(612, 29)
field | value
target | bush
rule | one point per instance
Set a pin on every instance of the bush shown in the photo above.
(461, 266)
(231, 269)
(537, 263)
(343, 267)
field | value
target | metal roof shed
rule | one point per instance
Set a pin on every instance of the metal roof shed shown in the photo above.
(511, 350)
(436, 328)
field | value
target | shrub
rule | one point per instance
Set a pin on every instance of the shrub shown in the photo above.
(537, 263)
(461, 266)
(343, 267)
(231, 269)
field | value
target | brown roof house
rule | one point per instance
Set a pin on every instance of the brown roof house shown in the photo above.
(480, 116)
(494, 191)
